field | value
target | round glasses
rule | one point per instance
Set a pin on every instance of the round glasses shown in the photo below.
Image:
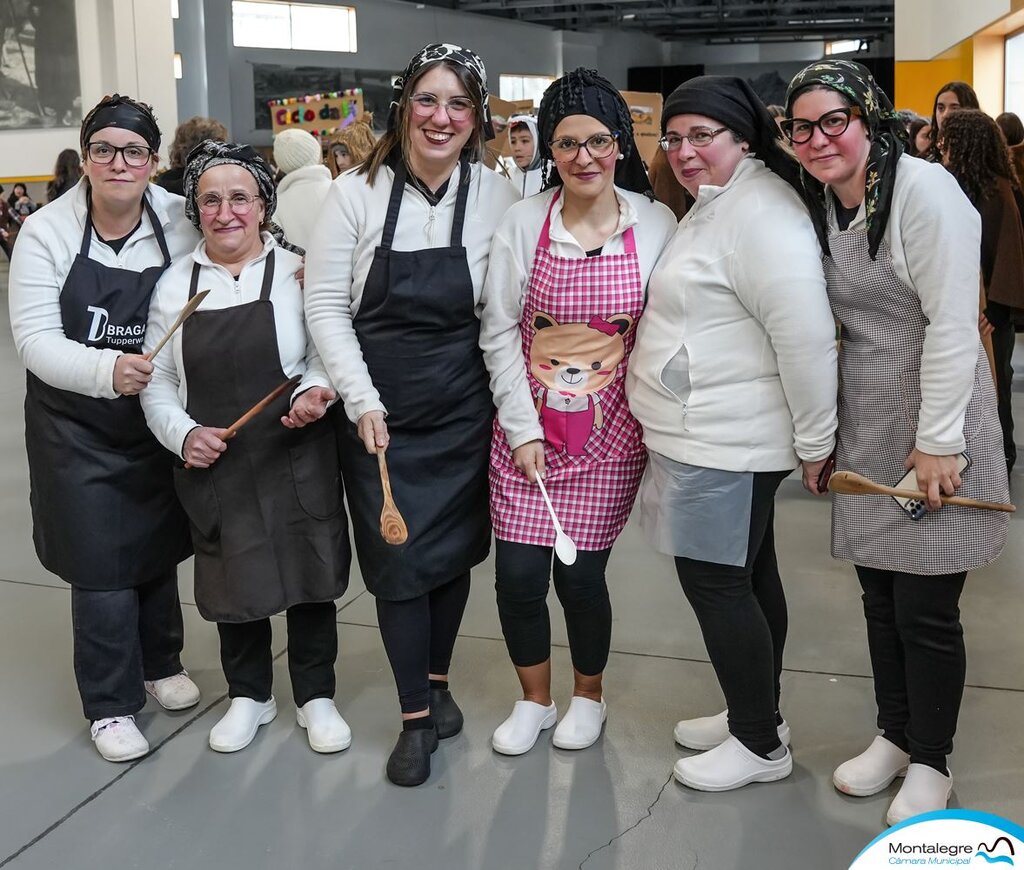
(133, 155)
(240, 203)
(457, 108)
(598, 146)
(699, 138)
(831, 124)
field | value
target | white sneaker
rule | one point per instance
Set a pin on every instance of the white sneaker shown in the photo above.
(519, 732)
(325, 728)
(925, 790)
(707, 732)
(730, 765)
(118, 738)
(582, 725)
(176, 692)
(872, 770)
(239, 725)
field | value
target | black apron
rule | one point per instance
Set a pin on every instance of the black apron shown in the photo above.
(104, 513)
(268, 520)
(419, 336)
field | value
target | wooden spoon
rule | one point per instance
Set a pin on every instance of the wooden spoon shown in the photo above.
(190, 306)
(392, 527)
(851, 483)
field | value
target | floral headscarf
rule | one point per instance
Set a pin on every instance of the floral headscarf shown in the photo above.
(885, 129)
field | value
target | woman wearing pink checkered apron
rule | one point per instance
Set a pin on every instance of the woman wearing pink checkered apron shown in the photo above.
(564, 291)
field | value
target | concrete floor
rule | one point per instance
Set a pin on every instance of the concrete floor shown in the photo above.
(278, 804)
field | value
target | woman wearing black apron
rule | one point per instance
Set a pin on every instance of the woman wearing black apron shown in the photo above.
(393, 278)
(105, 517)
(267, 517)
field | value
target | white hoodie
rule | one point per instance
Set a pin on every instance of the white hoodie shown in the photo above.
(299, 197)
(526, 181)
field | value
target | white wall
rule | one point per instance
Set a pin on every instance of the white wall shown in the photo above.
(927, 28)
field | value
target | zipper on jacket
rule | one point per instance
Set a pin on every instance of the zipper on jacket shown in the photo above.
(429, 227)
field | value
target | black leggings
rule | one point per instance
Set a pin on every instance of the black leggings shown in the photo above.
(419, 637)
(742, 615)
(918, 659)
(1004, 337)
(522, 577)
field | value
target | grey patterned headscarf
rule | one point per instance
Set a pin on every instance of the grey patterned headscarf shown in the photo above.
(208, 154)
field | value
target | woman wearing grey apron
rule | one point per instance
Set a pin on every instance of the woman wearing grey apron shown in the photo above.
(915, 393)
(105, 517)
(266, 512)
(393, 281)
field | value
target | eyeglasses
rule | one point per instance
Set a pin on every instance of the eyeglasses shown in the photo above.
(699, 138)
(240, 203)
(457, 108)
(133, 155)
(598, 146)
(831, 124)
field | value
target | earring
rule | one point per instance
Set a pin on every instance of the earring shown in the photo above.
(621, 157)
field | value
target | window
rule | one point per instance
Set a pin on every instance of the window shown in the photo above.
(300, 26)
(1014, 65)
(177, 64)
(842, 46)
(514, 88)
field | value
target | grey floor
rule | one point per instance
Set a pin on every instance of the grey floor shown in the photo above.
(278, 804)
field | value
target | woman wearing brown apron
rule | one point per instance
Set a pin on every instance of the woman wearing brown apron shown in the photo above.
(393, 278)
(266, 512)
(104, 514)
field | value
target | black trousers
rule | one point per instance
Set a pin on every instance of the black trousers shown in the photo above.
(419, 637)
(248, 662)
(122, 638)
(523, 573)
(743, 618)
(918, 659)
(1004, 338)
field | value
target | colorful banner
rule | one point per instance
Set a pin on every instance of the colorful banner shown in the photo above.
(320, 114)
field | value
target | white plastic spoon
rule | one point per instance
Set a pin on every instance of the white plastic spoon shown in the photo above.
(565, 549)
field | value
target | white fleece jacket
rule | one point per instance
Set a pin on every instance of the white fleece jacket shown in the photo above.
(299, 198)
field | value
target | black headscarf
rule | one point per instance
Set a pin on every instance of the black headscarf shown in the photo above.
(885, 130)
(208, 154)
(585, 92)
(125, 113)
(733, 102)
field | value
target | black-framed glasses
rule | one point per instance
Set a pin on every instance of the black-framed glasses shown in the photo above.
(699, 138)
(133, 155)
(831, 124)
(598, 146)
(457, 108)
(239, 202)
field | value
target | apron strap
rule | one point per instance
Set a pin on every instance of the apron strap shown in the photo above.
(460, 203)
(268, 276)
(629, 241)
(394, 205)
(544, 241)
(157, 231)
(195, 280)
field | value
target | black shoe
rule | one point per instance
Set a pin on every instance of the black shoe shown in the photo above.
(446, 713)
(409, 763)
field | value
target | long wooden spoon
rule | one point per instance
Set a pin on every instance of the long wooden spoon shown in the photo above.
(261, 405)
(190, 306)
(392, 526)
(851, 483)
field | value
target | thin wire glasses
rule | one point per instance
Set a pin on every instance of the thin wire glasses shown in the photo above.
(457, 108)
(831, 124)
(598, 146)
(133, 155)
(239, 202)
(699, 138)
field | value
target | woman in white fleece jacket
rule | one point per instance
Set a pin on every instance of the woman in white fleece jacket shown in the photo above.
(734, 381)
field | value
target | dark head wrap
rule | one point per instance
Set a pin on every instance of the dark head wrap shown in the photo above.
(448, 53)
(885, 130)
(585, 92)
(734, 103)
(208, 154)
(125, 113)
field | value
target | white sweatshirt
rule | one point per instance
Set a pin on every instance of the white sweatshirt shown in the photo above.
(348, 231)
(47, 246)
(735, 360)
(299, 197)
(165, 399)
(508, 275)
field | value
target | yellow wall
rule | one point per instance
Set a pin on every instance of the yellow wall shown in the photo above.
(918, 80)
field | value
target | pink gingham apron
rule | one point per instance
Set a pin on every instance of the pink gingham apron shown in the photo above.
(592, 479)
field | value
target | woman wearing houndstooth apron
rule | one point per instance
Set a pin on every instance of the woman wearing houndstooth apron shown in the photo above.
(915, 393)
(565, 289)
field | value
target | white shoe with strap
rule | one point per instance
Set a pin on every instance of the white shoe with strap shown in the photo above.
(176, 692)
(118, 738)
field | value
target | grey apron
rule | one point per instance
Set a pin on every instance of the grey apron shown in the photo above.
(883, 330)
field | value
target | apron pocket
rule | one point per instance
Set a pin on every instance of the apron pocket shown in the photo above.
(198, 496)
(317, 475)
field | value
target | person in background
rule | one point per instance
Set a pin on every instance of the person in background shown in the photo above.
(949, 98)
(1013, 132)
(21, 204)
(302, 190)
(66, 173)
(525, 172)
(349, 147)
(916, 394)
(917, 136)
(666, 186)
(187, 135)
(104, 513)
(974, 150)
